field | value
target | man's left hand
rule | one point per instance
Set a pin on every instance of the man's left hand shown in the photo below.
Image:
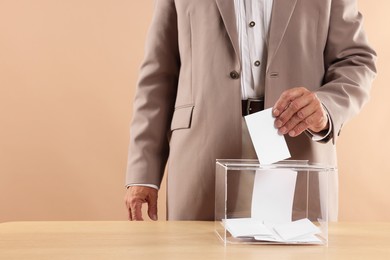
(297, 110)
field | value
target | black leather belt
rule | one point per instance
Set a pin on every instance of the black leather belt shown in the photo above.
(252, 105)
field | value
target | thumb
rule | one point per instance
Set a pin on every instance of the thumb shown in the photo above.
(152, 207)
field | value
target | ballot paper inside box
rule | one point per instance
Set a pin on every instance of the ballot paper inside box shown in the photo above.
(281, 203)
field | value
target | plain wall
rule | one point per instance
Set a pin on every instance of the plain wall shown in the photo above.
(68, 71)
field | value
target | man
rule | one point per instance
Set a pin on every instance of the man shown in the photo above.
(308, 59)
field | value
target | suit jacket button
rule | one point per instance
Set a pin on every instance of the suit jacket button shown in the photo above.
(234, 74)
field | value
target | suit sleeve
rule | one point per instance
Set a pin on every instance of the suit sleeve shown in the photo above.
(154, 99)
(349, 63)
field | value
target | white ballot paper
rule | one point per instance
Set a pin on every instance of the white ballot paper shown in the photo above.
(269, 145)
(297, 229)
(302, 231)
(273, 195)
(271, 213)
(247, 227)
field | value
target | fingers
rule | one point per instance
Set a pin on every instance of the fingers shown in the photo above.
(136, 210)
(284, 102)
(135, 197)
(134, 206)
(152, 206)
(297, 110)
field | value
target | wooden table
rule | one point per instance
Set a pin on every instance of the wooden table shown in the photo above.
(176, 240)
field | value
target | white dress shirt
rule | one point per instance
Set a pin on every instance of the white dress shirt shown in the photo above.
(253, 19)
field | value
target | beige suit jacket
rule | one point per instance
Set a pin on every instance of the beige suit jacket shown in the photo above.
(188, 102)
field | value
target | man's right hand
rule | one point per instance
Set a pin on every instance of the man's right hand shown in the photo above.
(136, 196)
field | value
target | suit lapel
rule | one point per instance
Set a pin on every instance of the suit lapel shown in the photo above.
(226, 8)
(282, 11)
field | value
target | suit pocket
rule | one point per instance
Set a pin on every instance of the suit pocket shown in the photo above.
(182, 118)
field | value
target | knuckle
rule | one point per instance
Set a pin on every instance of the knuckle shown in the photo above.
(294, 105)
(296, 118)
(133, 202)
(308, 121)
(300, 115)
(287, 95)
(290, 124)
(282, 118)
(312, 96)
(127, 200)
(283, 95)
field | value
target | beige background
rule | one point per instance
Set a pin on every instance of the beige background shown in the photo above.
(68, 70)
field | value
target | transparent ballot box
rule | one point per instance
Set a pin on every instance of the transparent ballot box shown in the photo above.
(281, 203)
